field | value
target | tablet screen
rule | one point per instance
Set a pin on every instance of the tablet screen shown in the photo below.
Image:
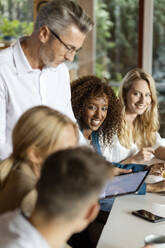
(124, 184)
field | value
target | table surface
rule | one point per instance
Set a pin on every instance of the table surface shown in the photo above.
(124, 230)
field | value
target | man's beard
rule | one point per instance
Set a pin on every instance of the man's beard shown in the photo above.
(47, 56)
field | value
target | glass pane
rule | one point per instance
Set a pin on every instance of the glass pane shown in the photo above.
(16, 19)
(116, 38)
(158, 67)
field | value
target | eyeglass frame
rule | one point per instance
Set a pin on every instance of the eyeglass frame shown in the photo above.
(70, 50)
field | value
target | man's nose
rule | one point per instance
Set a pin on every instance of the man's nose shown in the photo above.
(70, 56)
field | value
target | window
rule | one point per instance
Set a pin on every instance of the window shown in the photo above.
(158, 64)
(116, 37)
(16, 19)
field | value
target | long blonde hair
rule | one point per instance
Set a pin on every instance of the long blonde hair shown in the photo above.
(145, 125)
(40, 127)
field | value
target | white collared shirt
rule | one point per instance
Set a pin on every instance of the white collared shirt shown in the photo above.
(17, 232)
(22, 87)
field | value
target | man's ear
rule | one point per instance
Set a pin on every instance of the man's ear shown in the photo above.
(88, 217)
(92, 212)
(44, 34)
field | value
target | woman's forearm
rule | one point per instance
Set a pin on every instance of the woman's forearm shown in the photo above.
(160, 152)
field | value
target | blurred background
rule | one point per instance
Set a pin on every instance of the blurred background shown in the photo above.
(127, 33)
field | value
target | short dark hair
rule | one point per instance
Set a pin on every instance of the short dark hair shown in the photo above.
(60, 14)
(70, 178)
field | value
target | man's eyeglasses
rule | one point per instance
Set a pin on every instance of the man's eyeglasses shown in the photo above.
(70, 49)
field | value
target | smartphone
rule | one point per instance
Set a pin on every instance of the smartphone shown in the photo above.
(148, 216)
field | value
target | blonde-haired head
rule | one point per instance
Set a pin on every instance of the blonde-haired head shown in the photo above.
(145, 125)
(39, 127)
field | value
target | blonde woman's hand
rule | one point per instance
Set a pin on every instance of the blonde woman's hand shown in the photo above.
(143, 155)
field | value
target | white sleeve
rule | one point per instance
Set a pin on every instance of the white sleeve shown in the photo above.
(70, 111)
(116, 152)
(4, 147)
(82, 140)
(159, 141)
(107, 151)
(67, 95)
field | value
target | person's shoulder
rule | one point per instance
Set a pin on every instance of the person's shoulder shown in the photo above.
(5, 221)
(7, 217)
(159, 141)
(10, 235)
(17, 243)
(6, 55)
(5, 52)
(6, 59)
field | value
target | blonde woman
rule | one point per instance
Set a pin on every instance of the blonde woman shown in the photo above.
(39, 132)
(139, 133)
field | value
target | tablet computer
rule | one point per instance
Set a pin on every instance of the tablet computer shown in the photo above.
(124, 184)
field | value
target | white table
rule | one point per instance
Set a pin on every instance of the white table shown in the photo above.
(124, 230)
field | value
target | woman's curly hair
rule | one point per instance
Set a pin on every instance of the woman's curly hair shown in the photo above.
(91, 86)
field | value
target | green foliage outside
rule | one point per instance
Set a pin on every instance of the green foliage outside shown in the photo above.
(103, 27)
(116, 32)
(117, 38)
(14, 28)
(16, 18)
(159, 41)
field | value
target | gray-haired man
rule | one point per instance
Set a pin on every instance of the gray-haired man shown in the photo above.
(32, 72)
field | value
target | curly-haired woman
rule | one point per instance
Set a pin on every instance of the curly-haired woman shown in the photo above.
(97, 110)
(98, 113)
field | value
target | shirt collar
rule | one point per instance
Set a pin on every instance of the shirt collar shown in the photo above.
(20, 60)
(23, 227)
